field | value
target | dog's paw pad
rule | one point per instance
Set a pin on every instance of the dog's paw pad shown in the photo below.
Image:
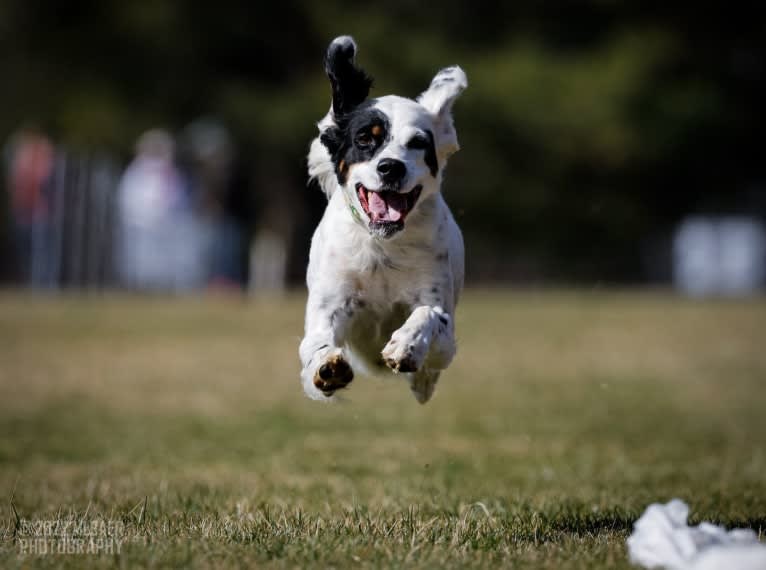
(335, 373)
(406, 364)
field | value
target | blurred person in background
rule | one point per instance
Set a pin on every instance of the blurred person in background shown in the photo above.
(30, 157)
(160, 245)
(221, 201)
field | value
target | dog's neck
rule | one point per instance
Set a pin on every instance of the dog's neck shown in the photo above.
(347, 197)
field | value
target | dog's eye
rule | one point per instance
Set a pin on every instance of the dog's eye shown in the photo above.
(364, 139)
(418, 142)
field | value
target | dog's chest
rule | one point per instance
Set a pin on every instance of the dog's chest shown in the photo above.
(379, 280)
(382, 299)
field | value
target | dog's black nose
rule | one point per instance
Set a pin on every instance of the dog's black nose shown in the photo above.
(391, 170)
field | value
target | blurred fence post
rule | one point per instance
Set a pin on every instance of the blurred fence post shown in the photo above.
(74, 247)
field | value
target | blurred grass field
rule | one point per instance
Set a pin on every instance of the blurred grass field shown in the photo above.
(562, 417)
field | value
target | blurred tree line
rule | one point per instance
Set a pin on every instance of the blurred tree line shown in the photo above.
(588, 128)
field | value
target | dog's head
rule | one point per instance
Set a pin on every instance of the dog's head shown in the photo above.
(386, 154)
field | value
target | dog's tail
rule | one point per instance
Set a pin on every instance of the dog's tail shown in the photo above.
(321, 167)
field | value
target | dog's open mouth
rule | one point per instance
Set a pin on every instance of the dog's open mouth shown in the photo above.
(387, 206)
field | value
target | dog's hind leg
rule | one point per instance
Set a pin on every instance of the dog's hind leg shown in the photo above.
(423, 384)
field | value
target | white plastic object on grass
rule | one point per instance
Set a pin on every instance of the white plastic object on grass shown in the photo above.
(662, 539)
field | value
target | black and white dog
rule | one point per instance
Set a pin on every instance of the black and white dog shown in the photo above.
(386, 261)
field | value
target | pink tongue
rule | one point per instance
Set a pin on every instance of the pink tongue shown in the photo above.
(389, 208)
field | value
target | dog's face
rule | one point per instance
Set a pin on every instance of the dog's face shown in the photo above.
(388, 153)
(385, 158)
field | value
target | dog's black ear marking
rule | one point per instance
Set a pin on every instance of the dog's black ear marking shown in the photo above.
(430, 155)
(350, 84)
(332, 138)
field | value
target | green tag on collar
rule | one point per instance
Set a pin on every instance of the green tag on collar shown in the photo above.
(354, 211)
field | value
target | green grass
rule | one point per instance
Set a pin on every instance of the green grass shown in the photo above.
(562, 417)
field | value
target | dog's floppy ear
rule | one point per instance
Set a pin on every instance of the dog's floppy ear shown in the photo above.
(350, 84)
(445, 88)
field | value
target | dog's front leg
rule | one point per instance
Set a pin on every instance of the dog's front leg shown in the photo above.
(325, 367)
(423, 345)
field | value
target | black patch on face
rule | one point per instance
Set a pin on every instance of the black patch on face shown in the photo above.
(430, 156)
(350, 84)
(426, 143)
(358, 137)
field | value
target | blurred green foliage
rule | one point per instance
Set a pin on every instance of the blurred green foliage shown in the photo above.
(588, 129)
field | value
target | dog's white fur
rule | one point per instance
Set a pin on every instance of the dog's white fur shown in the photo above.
(376, 302)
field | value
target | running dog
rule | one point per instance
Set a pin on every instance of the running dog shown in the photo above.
(386, 262)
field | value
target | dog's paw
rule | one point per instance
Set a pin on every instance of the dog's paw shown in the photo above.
(405, 351)
(333, 374)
